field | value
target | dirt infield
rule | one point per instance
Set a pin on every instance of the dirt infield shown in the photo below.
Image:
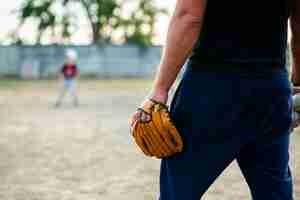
(86, 153)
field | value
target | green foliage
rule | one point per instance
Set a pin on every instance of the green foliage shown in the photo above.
(140, 27)
(104, 16)
(42, 11)
(101, 15)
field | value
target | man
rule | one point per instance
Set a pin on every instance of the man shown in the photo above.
(68, 74)
(234, 101)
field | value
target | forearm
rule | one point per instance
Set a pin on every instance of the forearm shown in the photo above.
(182, 34)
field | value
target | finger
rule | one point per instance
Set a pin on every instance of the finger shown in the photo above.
(147, 106)
(136, 117)
(133, 128)
(144, 117)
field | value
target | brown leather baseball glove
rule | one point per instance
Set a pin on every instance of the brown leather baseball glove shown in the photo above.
(156, 135)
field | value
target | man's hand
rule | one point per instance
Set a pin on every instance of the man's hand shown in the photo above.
(159, 96)
(157, 135)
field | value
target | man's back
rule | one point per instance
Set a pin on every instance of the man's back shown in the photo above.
(236, 32)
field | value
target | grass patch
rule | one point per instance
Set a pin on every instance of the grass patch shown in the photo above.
(7, 83)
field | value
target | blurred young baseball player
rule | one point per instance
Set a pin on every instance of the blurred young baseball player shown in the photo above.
(68, 75)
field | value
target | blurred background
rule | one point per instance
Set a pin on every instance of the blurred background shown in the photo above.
(110, 36)
(85, 152)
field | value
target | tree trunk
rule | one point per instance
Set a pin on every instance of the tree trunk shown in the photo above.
(94, 25)
(96, 36)
(39, 37)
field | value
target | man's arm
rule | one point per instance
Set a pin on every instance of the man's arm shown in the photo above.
(295, 42)
(183, 32)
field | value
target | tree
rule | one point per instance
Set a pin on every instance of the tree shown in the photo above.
(140, 27)
(48, 20)
(101, 14)
(105, 18)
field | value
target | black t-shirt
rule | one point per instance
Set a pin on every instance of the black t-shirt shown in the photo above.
(241, 32)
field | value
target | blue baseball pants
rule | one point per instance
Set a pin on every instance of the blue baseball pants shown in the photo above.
(226, 116)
